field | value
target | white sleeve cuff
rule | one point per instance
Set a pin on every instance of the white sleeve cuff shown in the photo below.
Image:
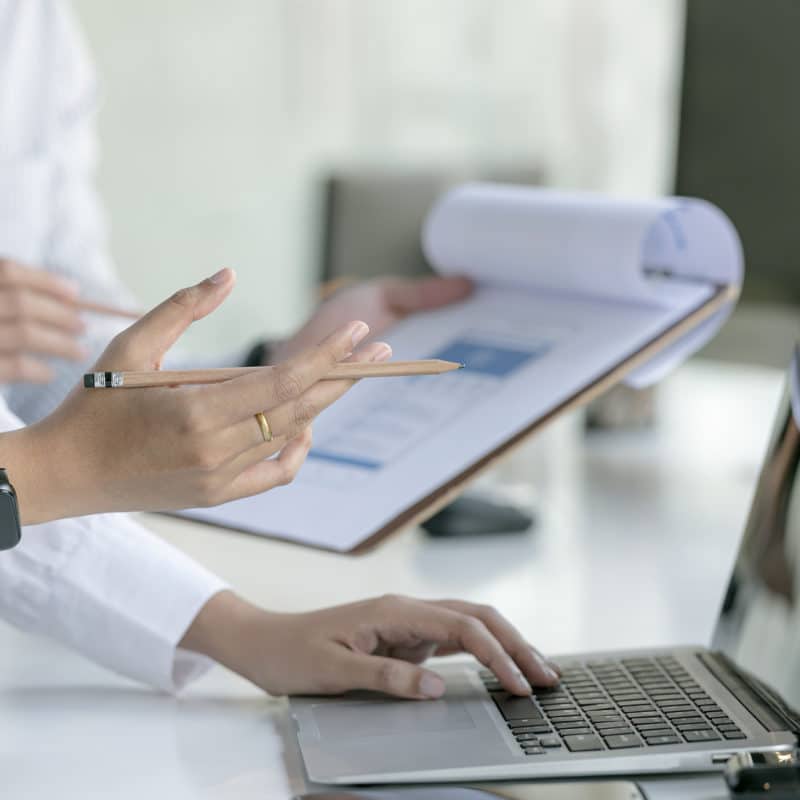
(111, 590)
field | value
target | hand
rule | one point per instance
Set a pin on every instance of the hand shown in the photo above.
(38, 317)
(176, 447)
(380, 303)
(374, 644)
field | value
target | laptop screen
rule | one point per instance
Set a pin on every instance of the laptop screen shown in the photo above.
(759, 624)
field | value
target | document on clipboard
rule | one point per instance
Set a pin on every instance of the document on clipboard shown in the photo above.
(574, 292)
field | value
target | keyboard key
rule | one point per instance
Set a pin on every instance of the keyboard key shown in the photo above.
(584, 731)
(534, 751)
(734, 735)
(513, 707)
(622, 741)
(669, 705)
(616, 731)
(637, 708)
(653, 730)
(588, 697)
(692, 726)
(683, 715)
(554, 715)
(556, 703)
(701, 736)
(550, 741)
(525, 737)
(532, 729)
(521, 723)
(604, 716)
(667, 738)
(581, 743)
(604, 726)
(728, 726)
(646, 719)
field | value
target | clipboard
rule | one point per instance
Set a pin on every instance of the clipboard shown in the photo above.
(363, 481)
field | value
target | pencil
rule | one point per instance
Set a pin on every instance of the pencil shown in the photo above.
(343, 371)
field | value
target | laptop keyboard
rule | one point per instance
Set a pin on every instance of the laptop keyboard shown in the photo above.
(614, 704)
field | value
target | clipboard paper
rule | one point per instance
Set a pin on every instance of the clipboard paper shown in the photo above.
(575, 292)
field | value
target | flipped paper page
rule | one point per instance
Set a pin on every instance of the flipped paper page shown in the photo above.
(567, 287)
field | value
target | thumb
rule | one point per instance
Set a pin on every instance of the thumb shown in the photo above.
(389, 675)
(144, 344)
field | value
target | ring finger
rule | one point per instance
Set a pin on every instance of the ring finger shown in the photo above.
(286, 421)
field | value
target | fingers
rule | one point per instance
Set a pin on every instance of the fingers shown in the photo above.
(241, 398)
(265, 475)
(288, 420)
(24, 305)
(391, 676)
(405, 296)
(143, 344)
(36, 337)
(17, 276)
(535, 667)
(401, 622)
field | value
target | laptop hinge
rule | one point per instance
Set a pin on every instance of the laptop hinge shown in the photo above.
(758, 698)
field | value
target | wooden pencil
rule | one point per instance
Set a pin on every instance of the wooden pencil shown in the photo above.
(343, 371)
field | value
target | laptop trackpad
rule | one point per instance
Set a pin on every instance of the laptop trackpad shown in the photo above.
(357, 720)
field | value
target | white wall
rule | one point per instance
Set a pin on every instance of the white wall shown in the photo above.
(219, 117)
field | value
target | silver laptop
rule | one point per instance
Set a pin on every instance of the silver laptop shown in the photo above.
(678, 710)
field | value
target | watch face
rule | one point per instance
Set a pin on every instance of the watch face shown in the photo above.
(9, 521)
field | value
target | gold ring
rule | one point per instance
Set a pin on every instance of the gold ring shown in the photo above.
(263, 425)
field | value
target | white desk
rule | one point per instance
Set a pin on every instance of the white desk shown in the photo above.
(636, 537)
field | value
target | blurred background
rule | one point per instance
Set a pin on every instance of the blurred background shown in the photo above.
(299, 140)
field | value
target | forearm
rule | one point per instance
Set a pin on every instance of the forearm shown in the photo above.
(109, 589)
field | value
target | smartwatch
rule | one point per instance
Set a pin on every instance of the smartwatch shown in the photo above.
(10, 531)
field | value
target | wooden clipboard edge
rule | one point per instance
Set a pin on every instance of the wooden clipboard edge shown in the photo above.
(448, 491)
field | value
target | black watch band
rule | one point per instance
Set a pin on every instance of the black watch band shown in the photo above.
(10, 531)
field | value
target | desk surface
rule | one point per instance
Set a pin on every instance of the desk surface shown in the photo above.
(637, 532)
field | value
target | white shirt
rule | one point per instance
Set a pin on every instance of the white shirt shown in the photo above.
(95, 583)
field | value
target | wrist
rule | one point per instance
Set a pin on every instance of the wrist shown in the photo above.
(25, 458)
(233, 632)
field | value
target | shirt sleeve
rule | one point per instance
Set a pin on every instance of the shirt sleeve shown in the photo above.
(108, 588)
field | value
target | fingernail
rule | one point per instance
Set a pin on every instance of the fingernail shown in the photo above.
(383, 351)
(358, 330)
(523, 684)
(431, 685)
(549, 673)
(219, 277)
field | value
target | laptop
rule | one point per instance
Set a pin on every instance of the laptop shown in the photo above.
(682, 709)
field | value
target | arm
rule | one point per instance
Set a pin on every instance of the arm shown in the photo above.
(97, 584)
(175, 447)
(377, 644)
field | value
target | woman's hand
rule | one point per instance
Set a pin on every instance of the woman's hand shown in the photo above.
(38, 317)
(380, 303)
(374, 644)
(176, 447)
